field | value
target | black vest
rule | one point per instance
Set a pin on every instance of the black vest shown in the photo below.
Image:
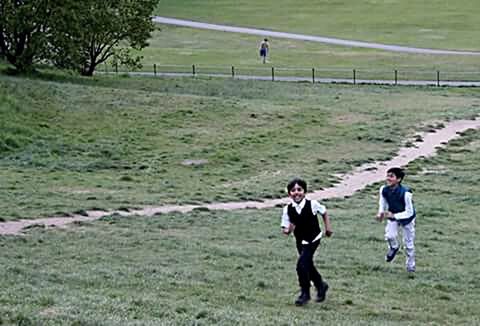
(306, 223)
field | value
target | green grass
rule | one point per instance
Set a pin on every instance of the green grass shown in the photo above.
(216, 52)
(69, 144)
(234, 268)
(436, 24)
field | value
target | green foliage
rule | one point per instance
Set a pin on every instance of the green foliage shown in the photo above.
(23, 31)
(77, 35)
(90, 32)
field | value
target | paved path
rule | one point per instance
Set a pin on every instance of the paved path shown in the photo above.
(349, 183)
(303, 37)
(317, 80)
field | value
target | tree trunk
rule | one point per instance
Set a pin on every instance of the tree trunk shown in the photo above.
(88, 71)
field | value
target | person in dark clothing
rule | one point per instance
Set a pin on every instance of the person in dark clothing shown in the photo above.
(300, 217)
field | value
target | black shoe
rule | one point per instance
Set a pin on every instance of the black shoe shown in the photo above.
(303, 298)
(391, 254)
(322, 292)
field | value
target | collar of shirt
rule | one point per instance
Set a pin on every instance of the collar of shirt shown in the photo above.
(299, 206)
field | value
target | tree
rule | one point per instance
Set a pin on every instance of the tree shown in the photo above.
(23, 31)
(97, 31)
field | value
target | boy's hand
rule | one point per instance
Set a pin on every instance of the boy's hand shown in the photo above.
(380, 216)
(289, 229)
(328, 232)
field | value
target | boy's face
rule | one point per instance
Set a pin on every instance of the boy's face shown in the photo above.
(392, 179)
(297, 193)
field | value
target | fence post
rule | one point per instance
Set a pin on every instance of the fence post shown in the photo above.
(438, 78)
(396, 76)
(155, 69)
(193, 70)
(313, 75)
(233, 72)
(273, 74)
(354, 76)
(116, 68)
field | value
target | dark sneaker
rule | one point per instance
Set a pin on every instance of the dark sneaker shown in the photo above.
(302, 299)
(391, 254)
(322, 292)
(411, 272)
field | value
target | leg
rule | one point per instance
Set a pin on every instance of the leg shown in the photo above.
(306, 271)
(409, 242)
(391, 233)
(305, 265)
(314, 275)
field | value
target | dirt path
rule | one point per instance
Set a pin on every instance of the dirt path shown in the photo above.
(303, 37)
(350, 183)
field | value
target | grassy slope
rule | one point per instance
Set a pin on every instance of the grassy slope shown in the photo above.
(73, 143)
(234, 268)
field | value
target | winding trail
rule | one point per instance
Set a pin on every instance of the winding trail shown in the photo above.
(349, 183)
(303, 37)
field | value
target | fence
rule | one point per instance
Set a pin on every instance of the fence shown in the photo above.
(404, 76)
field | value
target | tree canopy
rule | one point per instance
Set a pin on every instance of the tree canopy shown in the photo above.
(74, 34)
(24, 27)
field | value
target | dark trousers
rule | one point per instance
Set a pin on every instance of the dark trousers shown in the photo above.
(306, 271)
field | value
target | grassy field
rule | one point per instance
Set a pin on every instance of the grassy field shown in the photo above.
(234, 268)
(68, 144)
(216, 52)
(433, 24)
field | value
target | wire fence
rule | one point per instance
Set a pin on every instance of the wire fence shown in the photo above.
(404, 76)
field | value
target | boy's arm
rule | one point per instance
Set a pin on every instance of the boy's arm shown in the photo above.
(382, 206)
(322, 210)
(326, 222)
(408, 212)
(286, 225)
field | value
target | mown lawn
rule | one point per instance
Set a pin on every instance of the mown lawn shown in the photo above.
(433, 24)
(234, 268)
(69, 144)
(216, 52)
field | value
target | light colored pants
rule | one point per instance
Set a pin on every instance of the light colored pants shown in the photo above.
(391, 234)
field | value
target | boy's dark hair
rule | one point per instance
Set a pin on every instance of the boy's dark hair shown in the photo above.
(399, 173)
(297, 181)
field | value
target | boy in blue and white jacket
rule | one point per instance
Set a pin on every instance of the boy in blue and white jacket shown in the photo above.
(396, 205)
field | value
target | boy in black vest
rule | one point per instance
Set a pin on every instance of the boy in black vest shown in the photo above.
(396, 205)
(300, 216)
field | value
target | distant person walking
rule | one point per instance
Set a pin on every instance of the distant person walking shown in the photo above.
(264, 49)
